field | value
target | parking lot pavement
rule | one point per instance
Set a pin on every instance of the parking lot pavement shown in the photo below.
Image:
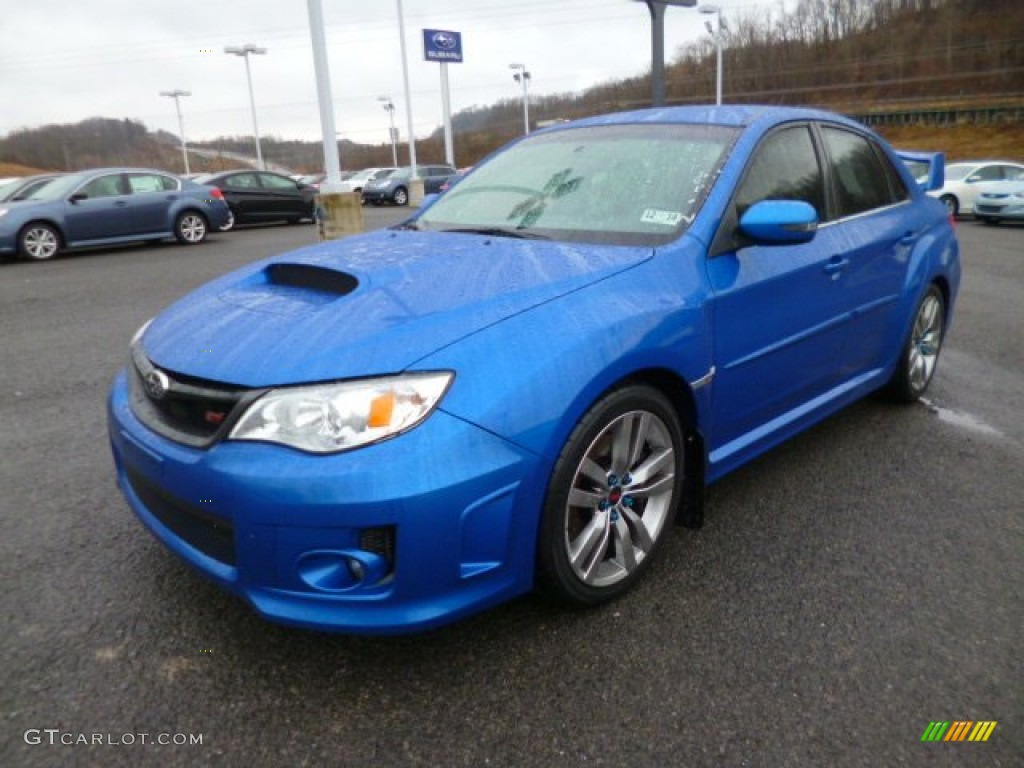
(848, 589)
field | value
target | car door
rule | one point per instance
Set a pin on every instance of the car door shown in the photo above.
(873, 230)
(244, 195)
(152, 195)
(98, 209)
(777, 312)
(283, 198)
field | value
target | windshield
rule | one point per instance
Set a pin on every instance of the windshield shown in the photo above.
(615, 184)
(58, 187)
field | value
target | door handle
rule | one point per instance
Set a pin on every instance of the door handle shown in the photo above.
(836, 264)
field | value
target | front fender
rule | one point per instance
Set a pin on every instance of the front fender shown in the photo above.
(531, 377)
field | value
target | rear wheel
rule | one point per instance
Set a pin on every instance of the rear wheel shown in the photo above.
(612, 494)
(230, 223)
(921, 349)
(190, 228)
(401, 196)
(38, 242)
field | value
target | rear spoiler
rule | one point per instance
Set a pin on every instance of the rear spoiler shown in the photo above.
(928, 168)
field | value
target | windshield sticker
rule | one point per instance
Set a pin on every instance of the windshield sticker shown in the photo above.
(665, 218)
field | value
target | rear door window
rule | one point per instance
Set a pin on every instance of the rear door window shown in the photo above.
(859, 181)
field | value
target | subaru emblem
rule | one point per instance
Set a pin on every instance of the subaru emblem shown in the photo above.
(444, 40)
(157, 384)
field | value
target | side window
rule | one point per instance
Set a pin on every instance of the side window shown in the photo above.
(270, 181)
(860, 181)
(987, 173)
(150, 182)
(785, 167)
(103, 186)
(243, 181)
(897, 189)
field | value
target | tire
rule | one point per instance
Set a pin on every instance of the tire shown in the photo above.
(991, 221)
(38, 242)
(401, 196)
(920, 354)
(612, 495)
(190, 228)
(230, 222)
(952, 204)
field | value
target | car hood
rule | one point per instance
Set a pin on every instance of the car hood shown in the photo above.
(367, 305)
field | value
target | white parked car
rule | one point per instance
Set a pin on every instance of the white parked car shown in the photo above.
(962, 180)
(999, 200)
(357, 181)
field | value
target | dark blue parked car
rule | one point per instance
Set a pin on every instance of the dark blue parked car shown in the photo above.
(528, 382)
(108, 206)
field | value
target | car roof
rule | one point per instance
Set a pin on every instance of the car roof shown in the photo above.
(734, 115)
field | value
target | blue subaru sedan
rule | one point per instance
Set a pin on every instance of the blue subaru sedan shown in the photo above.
(109, 206)
(529, 382)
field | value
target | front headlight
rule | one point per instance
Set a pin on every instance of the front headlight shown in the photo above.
(330, 418)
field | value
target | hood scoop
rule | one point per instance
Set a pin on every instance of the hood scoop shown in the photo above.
(312, 278)
(290, 289)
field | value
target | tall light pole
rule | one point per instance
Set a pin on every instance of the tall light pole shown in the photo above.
(244, 51)
(176, 95)
(523, 77)
(657, 9)
(389, 107)
(408, 96)
(716, 33)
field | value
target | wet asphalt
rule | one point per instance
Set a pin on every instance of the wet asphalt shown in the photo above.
(849, 588)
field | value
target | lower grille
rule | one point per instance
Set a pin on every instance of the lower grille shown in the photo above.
(211, 535)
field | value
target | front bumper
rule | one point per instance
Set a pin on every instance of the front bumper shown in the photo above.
(1000, 208)
(378, 195)
(299, 536)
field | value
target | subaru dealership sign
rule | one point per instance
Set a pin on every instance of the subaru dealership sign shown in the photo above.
(442, 46)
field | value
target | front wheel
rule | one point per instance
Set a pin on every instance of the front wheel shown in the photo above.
(38, 242)
(612, 494)
(190, 228)
(921, 349)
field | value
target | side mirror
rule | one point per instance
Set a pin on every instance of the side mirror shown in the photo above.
(775, 222)
(973, 179)
(78, 197)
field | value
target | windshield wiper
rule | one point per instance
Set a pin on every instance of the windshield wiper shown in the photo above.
(407, 225)
(498, 232)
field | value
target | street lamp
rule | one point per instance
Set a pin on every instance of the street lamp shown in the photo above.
(716, 33)
(657, 9)
(523, 77)
(244, 51)
(176, 95)
(389, 107)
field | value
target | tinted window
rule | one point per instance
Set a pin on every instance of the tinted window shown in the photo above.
(858, 176)
(243, 181)
(103, 186)
(897, 189)
(270, 181)
(987, 173)
(785, 167)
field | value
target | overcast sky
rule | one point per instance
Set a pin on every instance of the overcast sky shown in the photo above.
(65, 60)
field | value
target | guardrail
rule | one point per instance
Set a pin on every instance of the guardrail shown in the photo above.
(943, 116)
